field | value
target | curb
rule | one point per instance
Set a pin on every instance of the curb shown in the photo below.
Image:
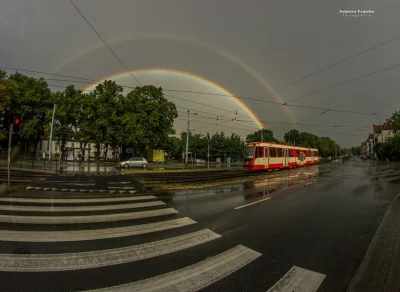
(371, 248)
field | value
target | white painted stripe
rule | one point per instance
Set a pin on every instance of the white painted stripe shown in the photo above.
(73, 190)
(82, 235)
(259, 201)
(38, 188)
(101, 258)
(194, 277)
(132, 192)
(308, 183)
(73, 201)
(54, 189)
(121, 187)
(50, 208)
(47, 189)
(29, 188)
(15, 219)
(299, 280)
(120, 182)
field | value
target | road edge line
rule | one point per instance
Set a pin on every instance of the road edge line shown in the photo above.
(371, 248)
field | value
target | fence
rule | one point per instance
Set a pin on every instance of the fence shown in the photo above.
(55, 164)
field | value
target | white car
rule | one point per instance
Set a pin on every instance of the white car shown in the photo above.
(135, 162)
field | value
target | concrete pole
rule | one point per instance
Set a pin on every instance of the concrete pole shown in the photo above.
(187, 142)
(51, 132)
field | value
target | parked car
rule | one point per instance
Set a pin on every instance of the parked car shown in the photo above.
(135, 162)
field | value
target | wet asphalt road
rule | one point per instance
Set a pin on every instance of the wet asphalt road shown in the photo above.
(319, 218)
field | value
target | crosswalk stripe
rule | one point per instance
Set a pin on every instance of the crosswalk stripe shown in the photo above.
(132, 192)
(102, 258)
(47, 189)
(17, 219)
(82, 235)
(298, 279)
(29, 188)
(73, 201)
(194, 277)
(121, 187)
(79, 208)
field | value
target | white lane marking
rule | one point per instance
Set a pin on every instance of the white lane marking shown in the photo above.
(79, 208)
(121, 187)
(119, 182)
(73, 190)
(194, 277)
(73, 201)
(47, 189)
(299, 280)
(308, 183)
(132, 192)
(259, 201)
(17, 219)
(82, 235)
(102, 258)
(29, 188)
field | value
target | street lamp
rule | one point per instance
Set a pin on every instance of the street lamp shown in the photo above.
(187, 139)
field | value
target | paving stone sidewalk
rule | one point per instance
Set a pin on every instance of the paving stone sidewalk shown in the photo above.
(380, 268)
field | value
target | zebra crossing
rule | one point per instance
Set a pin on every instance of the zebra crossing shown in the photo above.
(110, 226)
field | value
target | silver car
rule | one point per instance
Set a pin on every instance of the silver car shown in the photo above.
(135, 162)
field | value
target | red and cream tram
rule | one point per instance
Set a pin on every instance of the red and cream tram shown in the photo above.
(269, 155)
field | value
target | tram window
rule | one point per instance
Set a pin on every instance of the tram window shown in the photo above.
(266, 152)
(272, 152)
(259, 152)
(290, 152)
(279, 152)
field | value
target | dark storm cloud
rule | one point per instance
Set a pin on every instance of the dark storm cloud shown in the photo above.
(280, 40)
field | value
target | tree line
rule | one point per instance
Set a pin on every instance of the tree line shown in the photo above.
(141, 119)
(391, 148)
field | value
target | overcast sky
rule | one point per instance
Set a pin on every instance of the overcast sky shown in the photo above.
(247, 48)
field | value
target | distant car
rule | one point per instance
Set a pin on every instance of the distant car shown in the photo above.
(200, 161)
(135, 162)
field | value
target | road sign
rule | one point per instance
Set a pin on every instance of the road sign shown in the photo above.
(129, 150)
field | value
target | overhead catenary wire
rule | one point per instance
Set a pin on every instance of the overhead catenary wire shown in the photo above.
(105, 43)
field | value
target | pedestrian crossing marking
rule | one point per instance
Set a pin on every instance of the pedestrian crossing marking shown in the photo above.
(196, 276)
(298, 279)
(51, 208)
(92, 234)
(17, 219)
(73, 200)
(29, 188)
(102, 258)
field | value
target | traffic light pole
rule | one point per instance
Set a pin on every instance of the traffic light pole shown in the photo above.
(8, 154)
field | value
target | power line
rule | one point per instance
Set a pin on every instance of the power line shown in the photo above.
(105, 43)
(336, 85)
(90, 81)
(332, 65)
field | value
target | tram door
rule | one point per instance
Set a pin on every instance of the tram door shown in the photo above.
(285, 157)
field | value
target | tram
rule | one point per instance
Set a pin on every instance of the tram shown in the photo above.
(270, 155)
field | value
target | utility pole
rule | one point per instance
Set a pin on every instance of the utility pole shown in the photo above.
(262, 136)
(9, 154)
(208, 152)
(187, 142)
(51, 132)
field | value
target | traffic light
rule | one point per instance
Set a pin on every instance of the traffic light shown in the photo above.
(17, 123)
(117, 146)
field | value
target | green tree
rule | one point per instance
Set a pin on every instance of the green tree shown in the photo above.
(292, 137)
(396, 121)
(32, 104)
(262, 134)
(148, 118)
(66, 114)
(99, 124)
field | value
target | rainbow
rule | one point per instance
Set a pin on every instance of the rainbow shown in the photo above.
(231, 58)
(184, 74)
